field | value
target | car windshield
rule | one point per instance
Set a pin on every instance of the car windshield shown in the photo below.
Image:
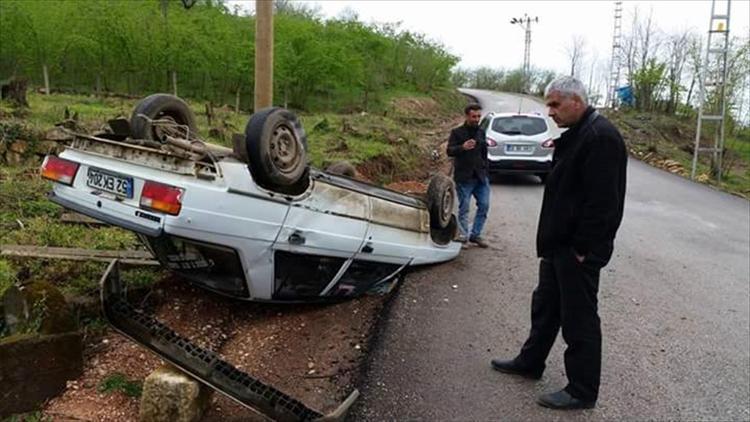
(519, 125)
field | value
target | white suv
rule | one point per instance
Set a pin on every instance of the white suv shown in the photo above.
(518, 143)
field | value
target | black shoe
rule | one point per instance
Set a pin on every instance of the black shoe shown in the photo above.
(511, 367)
(562, 400)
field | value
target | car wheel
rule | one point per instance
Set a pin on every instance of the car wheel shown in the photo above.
(276, 149)
(161, 107)
(342, 168)
(542, 177)
(440, 200)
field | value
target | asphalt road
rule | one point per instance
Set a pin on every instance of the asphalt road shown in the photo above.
(674, 305)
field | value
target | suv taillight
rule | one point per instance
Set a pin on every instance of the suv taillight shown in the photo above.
(59, 170)
(549, 143)
(160, 197)
(491, 142)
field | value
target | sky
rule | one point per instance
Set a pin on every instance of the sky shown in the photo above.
(480, 32)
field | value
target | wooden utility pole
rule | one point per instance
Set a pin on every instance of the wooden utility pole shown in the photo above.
(263, 53)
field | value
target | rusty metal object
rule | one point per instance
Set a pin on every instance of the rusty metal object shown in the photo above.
(149, 154)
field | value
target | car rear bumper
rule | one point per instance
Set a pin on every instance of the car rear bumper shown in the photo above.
(520, 166)
(113, 213)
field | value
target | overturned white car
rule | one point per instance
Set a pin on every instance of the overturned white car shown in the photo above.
(255, 221)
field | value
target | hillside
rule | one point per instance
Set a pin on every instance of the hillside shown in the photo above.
(667, 142)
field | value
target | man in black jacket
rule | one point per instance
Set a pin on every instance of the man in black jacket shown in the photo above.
(468, 146)
(581, 212)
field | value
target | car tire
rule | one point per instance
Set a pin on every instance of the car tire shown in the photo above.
(441, 200)
(277, 151)
(160, 106)
(342, 168)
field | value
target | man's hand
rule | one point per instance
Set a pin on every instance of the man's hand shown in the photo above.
(469, 145)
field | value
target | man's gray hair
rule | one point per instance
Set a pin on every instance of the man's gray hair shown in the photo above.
(568, 86)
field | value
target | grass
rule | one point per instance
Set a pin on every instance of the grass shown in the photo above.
(7, 276)
(117, 382)
(388, 135)
(92, 111)
(354, 138)
(28, 218)
(93, 326)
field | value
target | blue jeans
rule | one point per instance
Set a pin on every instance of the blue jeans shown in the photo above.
(479, 189)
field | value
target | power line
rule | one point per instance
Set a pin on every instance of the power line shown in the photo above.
(526, 20)
(712, 102)
(614, 63)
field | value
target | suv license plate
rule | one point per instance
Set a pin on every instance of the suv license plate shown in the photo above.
(109, 182)
(518, 148)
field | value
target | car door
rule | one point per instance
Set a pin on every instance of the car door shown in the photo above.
(394, 234)
(329, 221)
(320, 235)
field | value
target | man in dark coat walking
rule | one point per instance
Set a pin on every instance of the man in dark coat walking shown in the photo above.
(581, 212)
(468, 147)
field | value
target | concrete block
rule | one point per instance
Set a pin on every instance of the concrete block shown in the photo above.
(171, 395)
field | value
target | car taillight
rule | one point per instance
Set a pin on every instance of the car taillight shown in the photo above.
(549, 143)
(491, 142)
(160, 197)
(59, 170)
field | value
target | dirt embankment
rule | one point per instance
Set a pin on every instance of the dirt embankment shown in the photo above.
(431, 123)
(668, 142)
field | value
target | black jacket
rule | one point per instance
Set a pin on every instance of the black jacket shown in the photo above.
(471, 163)
(585, 190)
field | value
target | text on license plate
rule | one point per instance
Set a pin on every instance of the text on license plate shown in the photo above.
(113, 183)
(518, 148)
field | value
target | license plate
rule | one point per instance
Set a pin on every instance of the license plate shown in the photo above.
(110, 182)
(518, 148)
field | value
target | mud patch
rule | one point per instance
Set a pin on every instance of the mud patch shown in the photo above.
(378, 168)
(419, 108)
(409, 187)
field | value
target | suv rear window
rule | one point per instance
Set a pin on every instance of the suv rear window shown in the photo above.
(519, 125)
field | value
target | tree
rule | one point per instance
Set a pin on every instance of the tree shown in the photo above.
(648, 82)
(540, 79)
(677, 52)
(575, 51)
(645, 37)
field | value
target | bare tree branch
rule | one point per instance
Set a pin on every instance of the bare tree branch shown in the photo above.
(576, 52)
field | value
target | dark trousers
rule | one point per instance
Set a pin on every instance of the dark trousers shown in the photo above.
(566, 297)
